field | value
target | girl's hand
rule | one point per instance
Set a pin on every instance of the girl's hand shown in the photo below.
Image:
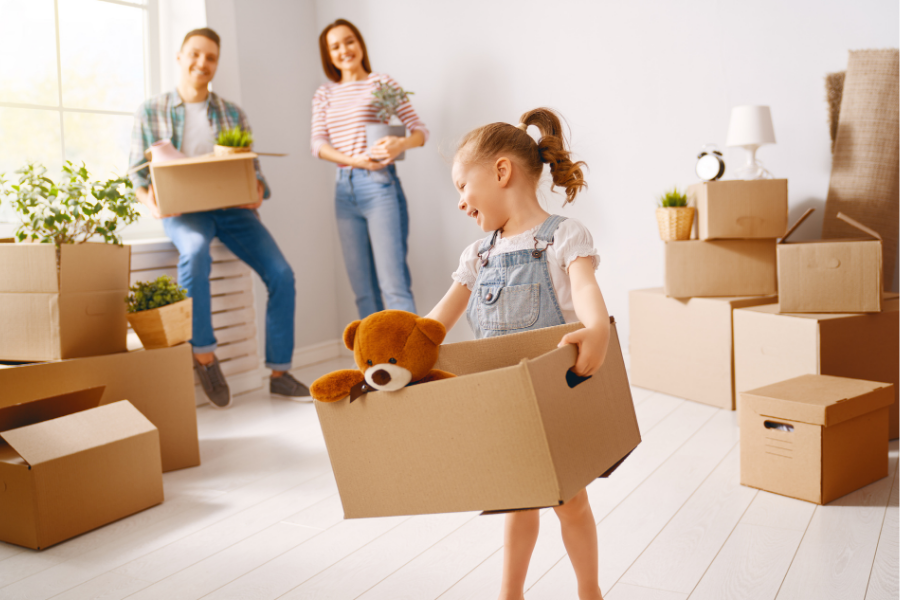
(388, 148)
(591, 345)
(364, 162)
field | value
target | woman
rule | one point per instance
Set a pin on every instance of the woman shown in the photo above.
(372, 218)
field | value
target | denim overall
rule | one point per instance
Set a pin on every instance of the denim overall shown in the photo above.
(513, 291)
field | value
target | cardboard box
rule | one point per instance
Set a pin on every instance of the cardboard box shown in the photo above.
(721, 268)
(740, 209)
(204, 183)
(815, 437)
(159, 383)
(507, 433)
(683, 347)
(67, 467)
(76, 310)
(830, 276)
(770, 347)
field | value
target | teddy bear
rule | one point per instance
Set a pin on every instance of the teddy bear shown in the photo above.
(392, 348)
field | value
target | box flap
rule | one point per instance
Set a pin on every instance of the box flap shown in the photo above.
(858, 225)
(28, 268)
(206, 158)
(791, 229)
(16, 413)
(820, 399)
(49, 440)
(94, 267)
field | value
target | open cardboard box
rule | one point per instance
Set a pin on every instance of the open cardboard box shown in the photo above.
(740, 209)
(204, 183)
(721, 268)
(68, 466)
(684, 346)
(508, 433)
(77, 308)
(830, 276)
(815, 437)
(159, 383)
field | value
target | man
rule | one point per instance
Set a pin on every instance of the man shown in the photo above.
(191, 117)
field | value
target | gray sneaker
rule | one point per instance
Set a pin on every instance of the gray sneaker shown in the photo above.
(213, 381)
(286, 385)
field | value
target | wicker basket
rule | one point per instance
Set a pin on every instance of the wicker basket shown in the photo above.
(675, 223)
(229, 150)
(165, 326)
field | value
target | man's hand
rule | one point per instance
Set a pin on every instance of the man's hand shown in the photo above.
(147, 197)
(388, 148)
(261, 190)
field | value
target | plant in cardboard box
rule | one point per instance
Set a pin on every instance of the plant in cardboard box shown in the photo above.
(160, 312)
(674, 217)
(393, 349)
(387, 100)
(233, 141)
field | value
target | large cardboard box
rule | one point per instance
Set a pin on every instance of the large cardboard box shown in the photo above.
(67, 467)
(683, 347)
(509, 432)
(721, 268)
(159, 383)
(740, 209)
(77, 309)
(204, 183)
(830, 276)
(815, 437)
(770, 347)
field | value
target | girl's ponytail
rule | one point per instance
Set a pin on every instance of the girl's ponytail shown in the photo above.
(553, 150)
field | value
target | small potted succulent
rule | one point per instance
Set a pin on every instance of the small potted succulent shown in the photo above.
(674, 217)
(387, 100)
(160, 312)
(233, 141)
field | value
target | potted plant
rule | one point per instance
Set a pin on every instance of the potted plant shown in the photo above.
(233, 141)
(160, 312)
(674, 217)
(387, 100)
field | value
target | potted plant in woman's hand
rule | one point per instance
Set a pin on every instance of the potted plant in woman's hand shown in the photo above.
(674, 217)
(160, 312)
(387, 100)
(233, 141)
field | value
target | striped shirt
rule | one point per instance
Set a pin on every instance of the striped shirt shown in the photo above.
(162, 117)
(340, 112)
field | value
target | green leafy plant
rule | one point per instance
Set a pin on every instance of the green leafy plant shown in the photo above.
(673, 198)
(72, 211)
(154, 294)
(388, 99)
(235, 138)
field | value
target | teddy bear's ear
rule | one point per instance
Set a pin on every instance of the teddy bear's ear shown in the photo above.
(350, 334)
(433, 330)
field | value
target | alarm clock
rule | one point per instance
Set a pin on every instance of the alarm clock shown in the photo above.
(710, 165)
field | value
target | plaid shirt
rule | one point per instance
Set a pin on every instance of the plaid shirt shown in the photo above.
(162, 118)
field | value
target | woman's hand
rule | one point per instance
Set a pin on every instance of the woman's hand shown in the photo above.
(388, 148)
(591, 344)
(364, 162)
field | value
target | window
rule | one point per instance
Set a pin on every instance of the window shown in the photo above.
(72, 74)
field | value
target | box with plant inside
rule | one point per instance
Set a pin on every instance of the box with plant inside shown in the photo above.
(160, 313)
(233, 141)
(387, 100)
(674, 217)
(61, 294)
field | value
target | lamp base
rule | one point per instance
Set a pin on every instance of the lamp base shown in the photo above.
(752, 169)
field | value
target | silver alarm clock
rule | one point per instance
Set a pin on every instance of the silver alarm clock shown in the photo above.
(710, 165)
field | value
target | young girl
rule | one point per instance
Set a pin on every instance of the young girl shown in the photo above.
(533, 270)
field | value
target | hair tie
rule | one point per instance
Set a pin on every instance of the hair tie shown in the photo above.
(522, 126)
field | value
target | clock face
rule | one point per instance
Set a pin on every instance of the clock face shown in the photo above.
(710, 167)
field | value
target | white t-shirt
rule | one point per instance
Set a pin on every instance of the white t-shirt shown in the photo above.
(571, 240)
(198, 133)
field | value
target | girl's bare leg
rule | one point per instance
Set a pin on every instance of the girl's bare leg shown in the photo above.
(579, 533)
(518, 543)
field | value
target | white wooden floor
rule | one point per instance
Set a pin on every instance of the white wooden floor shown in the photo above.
(261, 519)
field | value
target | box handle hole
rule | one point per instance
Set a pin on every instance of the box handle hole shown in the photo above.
(779, 426)
(572, 379)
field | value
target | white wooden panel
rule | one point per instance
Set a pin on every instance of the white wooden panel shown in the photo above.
(230, 285)
(231, 302)
(233, 317)
(246, 347)
(883, 584)
(231, 268)
(142, 261)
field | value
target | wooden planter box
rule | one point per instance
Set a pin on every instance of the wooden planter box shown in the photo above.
(165, 326)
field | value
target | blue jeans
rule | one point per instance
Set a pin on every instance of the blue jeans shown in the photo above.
(373, 225)
(245, 235)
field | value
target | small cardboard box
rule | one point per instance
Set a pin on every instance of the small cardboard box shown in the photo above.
(721, 268)
(683, 347)
(740, 209)
(815, 437)
(770, 346)
(204, 183)
(509, 432)
(67, 467)
(77, 309)
(159, 383)
(830, 276)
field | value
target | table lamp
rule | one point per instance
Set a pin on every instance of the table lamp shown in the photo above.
(751, 127)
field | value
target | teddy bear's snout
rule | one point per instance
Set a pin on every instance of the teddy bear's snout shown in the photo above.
(381, 377)
(387, 377)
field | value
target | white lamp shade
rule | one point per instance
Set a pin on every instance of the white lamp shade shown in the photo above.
(750, 126)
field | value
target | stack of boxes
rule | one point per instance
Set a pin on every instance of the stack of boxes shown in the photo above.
(86, 428)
